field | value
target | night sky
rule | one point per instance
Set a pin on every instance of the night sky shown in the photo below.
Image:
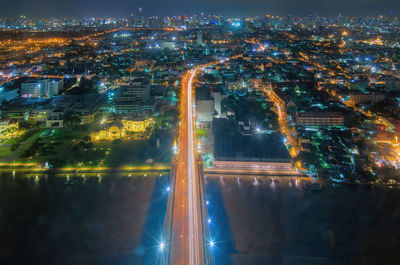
(240, 8)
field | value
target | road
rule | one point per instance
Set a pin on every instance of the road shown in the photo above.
(187, 228)
(187, 232)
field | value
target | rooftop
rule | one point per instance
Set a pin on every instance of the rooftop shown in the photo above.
(230, 144)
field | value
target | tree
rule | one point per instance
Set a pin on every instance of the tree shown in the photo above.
(388, 173)
(307, 158)
(82, 149)
(209, 78)
(224, 105)
(172, 115)
(72, 120)
(23, 124)
(86, 86)
(351, 120)
(117, 141)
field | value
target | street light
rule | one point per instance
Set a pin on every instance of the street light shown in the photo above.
(211, 244)
(161, 246)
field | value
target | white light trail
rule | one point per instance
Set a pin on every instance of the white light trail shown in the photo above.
(194, 226)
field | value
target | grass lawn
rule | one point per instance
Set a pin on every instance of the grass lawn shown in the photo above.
(54, 147)
(69, 133)
(201, 132)
(137, 152)
(28, 142)
(126, 152)
(66, 147)
(61, 144)
(6, 154)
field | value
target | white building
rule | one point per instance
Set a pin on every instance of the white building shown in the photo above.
(169, 45)
(54, 87)
(34, 89)
(41, 88)
(204, 109)
(204, 105)
(218, 97)
(134, 91)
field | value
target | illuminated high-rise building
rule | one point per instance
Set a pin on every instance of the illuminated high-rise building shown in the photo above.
(140, 19)
(200, 37)
(132, 20)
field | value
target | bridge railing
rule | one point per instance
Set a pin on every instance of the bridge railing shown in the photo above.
(168, 220)
(208, 257)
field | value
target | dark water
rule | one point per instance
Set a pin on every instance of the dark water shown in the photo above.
(281, 223)
(118, 219)
(152, 233)
(220, 230)
(111, 220)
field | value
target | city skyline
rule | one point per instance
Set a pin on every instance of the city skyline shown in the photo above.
(236, 8)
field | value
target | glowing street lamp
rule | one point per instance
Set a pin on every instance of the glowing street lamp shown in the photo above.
(161, 246)
(211, 244)
(175, 147)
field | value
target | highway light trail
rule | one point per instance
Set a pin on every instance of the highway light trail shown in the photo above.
(187, 210)
(187, 229)
(195, 228)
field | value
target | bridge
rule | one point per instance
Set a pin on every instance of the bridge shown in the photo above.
(185, 232)
(186, 237)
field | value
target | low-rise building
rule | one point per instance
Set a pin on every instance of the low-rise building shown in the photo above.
(204, 106)
(19, 108)
(112, 131)
(119, 129)
(8, 95)
(319, 119)
(234, 151)
(134, 106)
(41, 88)
(51, 112)
(134, 98)
(136, 124)
(364, 98)
(55, 119)
(135, 91)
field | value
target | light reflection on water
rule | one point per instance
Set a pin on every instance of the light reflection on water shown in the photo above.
(72, 218)
(285, 218)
